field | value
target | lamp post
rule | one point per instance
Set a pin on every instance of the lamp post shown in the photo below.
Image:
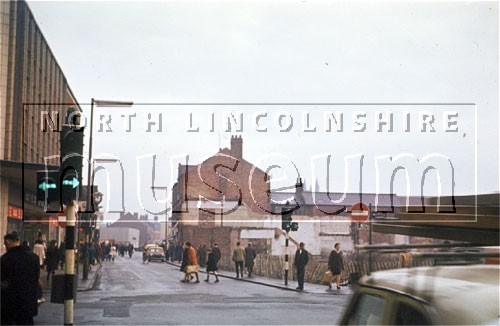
(89, 204)
(166, 210)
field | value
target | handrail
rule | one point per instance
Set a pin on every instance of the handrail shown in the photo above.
(416, 246)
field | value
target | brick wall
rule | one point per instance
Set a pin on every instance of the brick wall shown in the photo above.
(274, 266)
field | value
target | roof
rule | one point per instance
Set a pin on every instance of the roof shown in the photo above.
(460, 294)
(335, 199)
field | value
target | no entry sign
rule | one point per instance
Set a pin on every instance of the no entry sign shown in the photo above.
(359, 213)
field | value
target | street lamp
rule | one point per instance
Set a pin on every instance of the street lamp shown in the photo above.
(89, 205)
(166, 209)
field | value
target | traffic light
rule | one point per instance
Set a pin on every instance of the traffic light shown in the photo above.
(48, 189)
(294, 226)
(71, 159)
(286, 219)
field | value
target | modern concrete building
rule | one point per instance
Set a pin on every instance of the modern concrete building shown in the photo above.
(32, 87)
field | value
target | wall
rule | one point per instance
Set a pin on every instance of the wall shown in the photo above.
(274, 266)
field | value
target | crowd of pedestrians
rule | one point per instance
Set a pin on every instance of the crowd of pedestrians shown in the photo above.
(244, 258)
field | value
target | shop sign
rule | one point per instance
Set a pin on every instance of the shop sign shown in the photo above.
(15, 212)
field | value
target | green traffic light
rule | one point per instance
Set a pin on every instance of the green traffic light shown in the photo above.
(45, 185)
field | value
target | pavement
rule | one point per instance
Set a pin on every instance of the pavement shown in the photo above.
(83, 285)
(279, 283)
(87, 285)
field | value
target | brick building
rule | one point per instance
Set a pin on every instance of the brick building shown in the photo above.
(226, 199)
(214, 200)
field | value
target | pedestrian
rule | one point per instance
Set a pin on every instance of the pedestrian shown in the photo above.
(239, 258)
(167, 250)
(179, 249)
(131, 250)
(192, 262)
(98, 252)
(39, 250)
(62, 254)
(108, 251)
(170, 249)
(112, 253)
(92, 254)
(301, 260)
(52, 258)
(200, 255)
(211, 266)
(250, 255)
(184, 263)
(121, 249)
(336, 264)
(20, 272)
(217, 253)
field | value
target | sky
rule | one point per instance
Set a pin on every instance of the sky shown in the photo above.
(432, 66)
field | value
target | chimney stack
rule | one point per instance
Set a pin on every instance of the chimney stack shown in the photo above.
(299, 190)
(236, 147)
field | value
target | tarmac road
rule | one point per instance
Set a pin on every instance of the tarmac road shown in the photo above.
(129, 292)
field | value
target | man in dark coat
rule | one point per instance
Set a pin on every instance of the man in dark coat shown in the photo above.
(178, 252)
(211, 266)
(250, 255)
(20, 273)
(336, 264)
(301, 260)
(217, 254)
(52, 258)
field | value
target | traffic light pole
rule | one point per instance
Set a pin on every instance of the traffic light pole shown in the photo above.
(286, 257)
(69, 265)
(88, 208)
(370, 215)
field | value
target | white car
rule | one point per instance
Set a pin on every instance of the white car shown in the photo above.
(444, 295)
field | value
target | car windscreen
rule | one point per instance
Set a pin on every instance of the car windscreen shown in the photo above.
(368, 310)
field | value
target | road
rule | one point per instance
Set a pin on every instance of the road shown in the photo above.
(131, 293)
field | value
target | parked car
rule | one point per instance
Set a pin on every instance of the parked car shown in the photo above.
(442, 295)
(155, 253)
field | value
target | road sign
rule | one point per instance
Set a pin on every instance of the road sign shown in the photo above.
(360, 213)
(47, 185)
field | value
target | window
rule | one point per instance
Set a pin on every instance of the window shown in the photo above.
(368, 310)
(407, 314)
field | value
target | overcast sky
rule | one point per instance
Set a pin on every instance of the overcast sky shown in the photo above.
(309, 52)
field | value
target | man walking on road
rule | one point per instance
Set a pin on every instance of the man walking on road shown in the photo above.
(250, 255)
(20, 271)
(301, 260)
(239, 258)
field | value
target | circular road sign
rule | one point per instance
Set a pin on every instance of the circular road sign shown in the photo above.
(359, 213)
